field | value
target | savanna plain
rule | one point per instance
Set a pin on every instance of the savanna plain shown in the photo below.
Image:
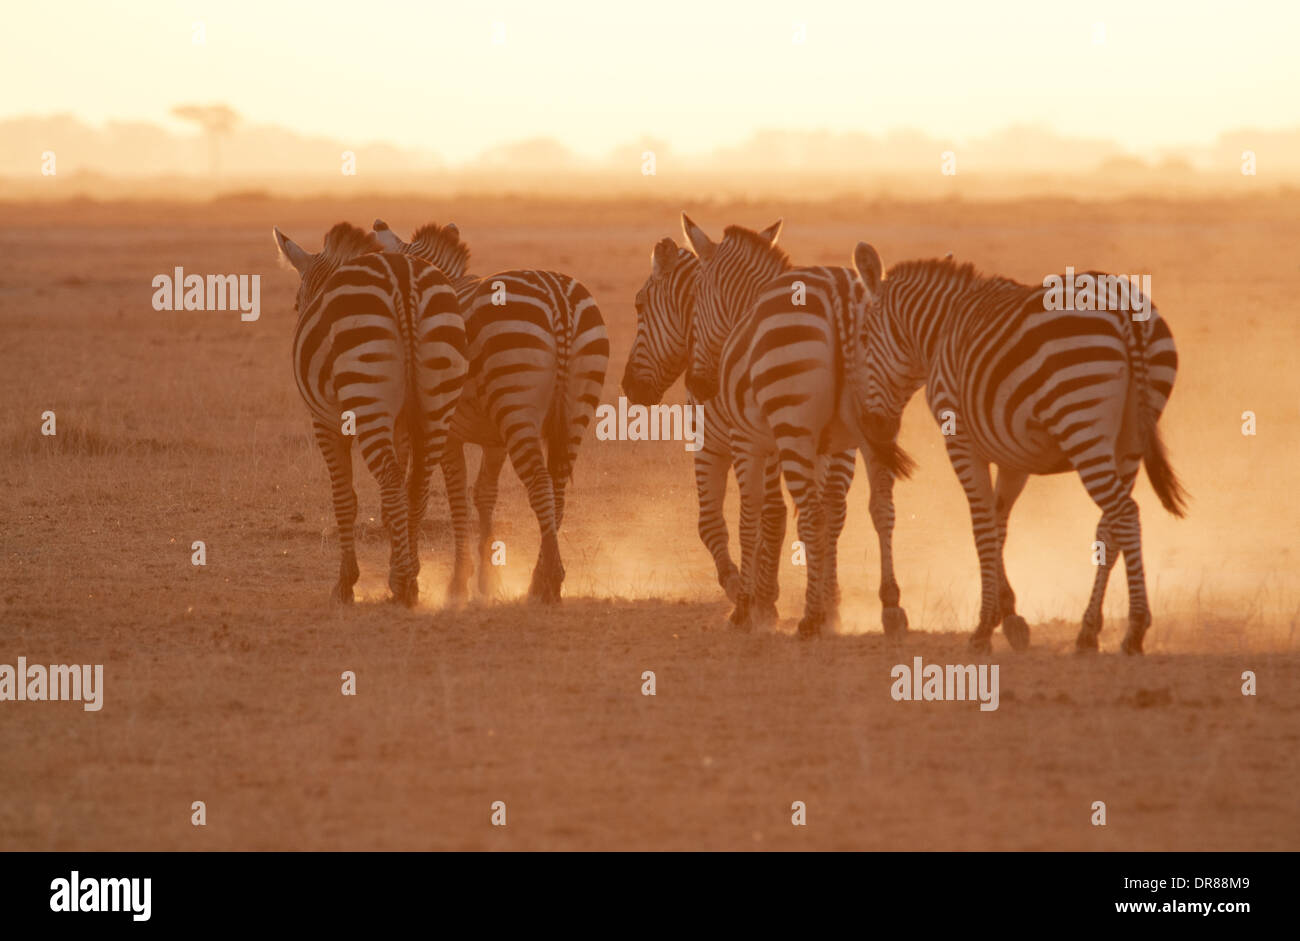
(223, 682)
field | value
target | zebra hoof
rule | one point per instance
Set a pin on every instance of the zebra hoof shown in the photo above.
(731, 585)
(545, 590)
(545, 587)
(763, 614)
(894, 620)
(411, 597)
(1086, 642)
(544, 595)
(741, 617)
(341, 593)
(1132, 645)
(1016, 631)
(489, 584)
(810, 626)
(981, 643)
(457, 594)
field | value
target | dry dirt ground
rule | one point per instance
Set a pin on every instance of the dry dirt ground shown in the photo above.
(223, 682)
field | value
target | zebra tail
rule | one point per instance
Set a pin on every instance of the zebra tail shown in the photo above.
(1170, 490)
(1173, 495)
(558, 464)
(557, 437)
(893, 458)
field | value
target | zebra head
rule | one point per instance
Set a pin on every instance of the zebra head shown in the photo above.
(342, 243)
(730, 275)
(880, 408)
(439, 245)
(664, 308)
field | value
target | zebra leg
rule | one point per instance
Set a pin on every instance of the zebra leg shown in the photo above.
(529, 463)
(978, 484)
(752, 486)
(1128, 530)
(337, 450)
(1111, 489)
(712, 464)
(380, 453)
(486, 485)
(881, 506)
(453, 473)
(771, 537)
(838, 477)
(1010, 484)
(558, 485)
(1090, 631)
(417, 502)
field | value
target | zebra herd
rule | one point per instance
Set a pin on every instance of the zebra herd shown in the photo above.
(798, 369)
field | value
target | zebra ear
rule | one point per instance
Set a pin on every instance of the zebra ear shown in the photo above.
(772, 231)
(664, 258)
(451, 228)
(869, 268)
(699, 241)
(387, 237)
(291, 253)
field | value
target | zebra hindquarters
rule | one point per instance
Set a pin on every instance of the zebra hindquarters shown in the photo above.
(515, 363)
(441, 366)
(370, 383)
(792, 377)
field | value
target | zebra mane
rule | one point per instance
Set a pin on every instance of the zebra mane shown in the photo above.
(685, 257)
(965, 275)
(442, 247)
(752, 241)
(345, 241)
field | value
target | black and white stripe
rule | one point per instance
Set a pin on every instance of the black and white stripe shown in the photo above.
(538, 352)
(791, 389)
(1033, 391)
(379, 335)
(688, 311)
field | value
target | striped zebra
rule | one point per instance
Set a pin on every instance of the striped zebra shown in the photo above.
(380, 348)
(676, 333)
(538, 351)
(686, 310)
(1032, 390)
(665, 306)
(792, 388)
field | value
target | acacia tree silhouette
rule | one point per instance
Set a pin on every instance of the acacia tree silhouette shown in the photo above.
(216, 121)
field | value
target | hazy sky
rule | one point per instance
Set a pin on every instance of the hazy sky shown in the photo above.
(456, 78)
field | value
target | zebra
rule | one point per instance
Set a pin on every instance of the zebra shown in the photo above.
(538, 352)
(686, 310)
(675, 334)
(660, 352)
(1031, 390)
(379, 336)
(792, 390)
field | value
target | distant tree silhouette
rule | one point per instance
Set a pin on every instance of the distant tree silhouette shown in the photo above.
(216, 121)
